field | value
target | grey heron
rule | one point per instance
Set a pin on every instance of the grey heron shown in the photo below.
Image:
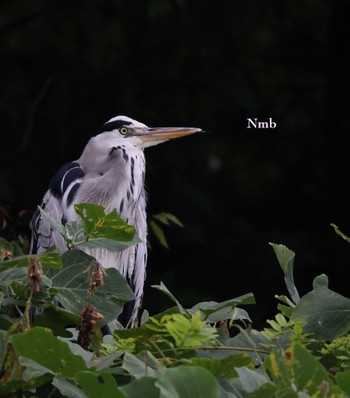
(110, 172)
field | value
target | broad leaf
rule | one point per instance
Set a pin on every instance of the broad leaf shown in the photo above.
(165, 290)
(141, 388)
(327, 313)
(3, 346)
(49, 259)
(99, 385)
(250, 379)
(38, 342)
(108, 244)
(98, 224)
(216, 312)
(297, 369)
(71, 286)
(285, 258)
(67, 388)
(225, 367)
(190, 332)
(56, 318)
(140, 368)
(188, 382)
(343, 380)
(95, 229)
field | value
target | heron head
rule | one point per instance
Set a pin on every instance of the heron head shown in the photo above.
(138, 134)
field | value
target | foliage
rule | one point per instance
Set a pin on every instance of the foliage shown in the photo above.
(209, 350)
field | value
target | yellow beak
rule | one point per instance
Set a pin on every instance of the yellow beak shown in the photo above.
(155, 135)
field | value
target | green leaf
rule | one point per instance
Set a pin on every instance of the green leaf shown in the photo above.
(285, 258)
(67, 388)
(49, 259)
(216, 312)
(98, 224)
(141, 388)
(140, 368)
(267, 390)
(165, 290)
(343, 380)
(167, 218)
(99, 385)
(250, 379)
(57, 319)
(224, 367)
(327, 314)
(337, 230)
(3, 346)
(16, 262)
(159, 233)
(298, 369)
(108, 244)
(188, 382)
(41, 346)
(71, 286)
(190, 332)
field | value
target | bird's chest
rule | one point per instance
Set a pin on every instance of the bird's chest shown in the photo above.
(129, 194)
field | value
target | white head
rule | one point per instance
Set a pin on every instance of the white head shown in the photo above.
(142, 136)
(131, 135)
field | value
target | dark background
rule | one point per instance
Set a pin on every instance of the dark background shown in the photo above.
(68, 66)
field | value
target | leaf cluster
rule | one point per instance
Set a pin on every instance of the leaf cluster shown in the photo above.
(209, 350)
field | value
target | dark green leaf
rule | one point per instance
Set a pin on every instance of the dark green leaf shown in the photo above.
(297, 368)
(109, 244)
(285, 258)
(140, 368)
(167, 218)
(215, 312)
(67, 388)
(50, 259)
(71, 286)
(98, 224)
(250, 379)
(343, 380)
(267, 390)
(141, 388)
(337, 230)
(327, 314)
(16, 262)
(165, 290)
(99, 385)
(225, 367)
(188, 382)
(57, 319)
(3, 347)
(42, 347)
(159, 233)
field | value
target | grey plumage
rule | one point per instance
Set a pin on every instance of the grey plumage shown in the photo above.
(110, 172)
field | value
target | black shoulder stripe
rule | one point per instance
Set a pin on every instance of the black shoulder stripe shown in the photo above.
(64, 177)
(114, 125)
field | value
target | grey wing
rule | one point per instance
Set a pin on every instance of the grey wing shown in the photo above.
(62, 190)
(43, 234)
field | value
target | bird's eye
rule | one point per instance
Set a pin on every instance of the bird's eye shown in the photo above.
(123, 130)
